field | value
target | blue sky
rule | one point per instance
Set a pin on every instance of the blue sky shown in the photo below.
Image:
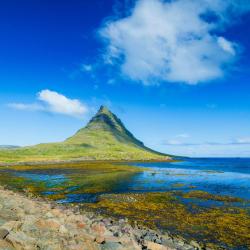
(176, 72)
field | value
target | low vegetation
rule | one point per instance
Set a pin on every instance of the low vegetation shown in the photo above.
(224, 227)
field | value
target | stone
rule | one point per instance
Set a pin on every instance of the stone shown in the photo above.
(100, 239)
(98, 228)
(49, 215)
(56, 212)
(195, 244)
(19, 240)
(111, 246)
(53, 224)
(3, 233)
(81, 225)
(4, 245)
(155, 246)
(63, 229)
(11, 225)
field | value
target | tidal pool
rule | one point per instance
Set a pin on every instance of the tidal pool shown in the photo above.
(202, 199)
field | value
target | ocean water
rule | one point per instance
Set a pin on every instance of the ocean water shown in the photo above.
(220, 176)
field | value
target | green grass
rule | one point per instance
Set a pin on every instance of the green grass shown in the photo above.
(104, 138)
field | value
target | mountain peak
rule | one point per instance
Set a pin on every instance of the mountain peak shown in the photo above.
(103, 110)
(105, 119)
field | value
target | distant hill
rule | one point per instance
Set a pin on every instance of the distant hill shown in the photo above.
(8, 146)
(104, 138)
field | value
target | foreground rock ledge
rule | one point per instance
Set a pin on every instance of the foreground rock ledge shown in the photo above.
(34, 224)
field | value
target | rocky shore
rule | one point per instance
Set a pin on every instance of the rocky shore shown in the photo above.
(29, 223)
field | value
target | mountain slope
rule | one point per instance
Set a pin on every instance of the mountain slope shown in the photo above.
(105, 122)
(104, 138)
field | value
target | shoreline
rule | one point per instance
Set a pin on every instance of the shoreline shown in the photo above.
(28, 222)
(40, 163)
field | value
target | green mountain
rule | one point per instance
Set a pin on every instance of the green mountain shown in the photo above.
(104, 138)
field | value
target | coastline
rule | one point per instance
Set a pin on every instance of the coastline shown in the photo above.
(29, 222)
(45, 162)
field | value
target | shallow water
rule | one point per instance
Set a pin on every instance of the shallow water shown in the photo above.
(215, 175)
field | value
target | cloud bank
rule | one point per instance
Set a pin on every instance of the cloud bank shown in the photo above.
(173, 41)
(54, 102)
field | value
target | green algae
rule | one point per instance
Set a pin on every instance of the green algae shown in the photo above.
(216, 227)
(177, 185)
(84, 177)
(207, 196)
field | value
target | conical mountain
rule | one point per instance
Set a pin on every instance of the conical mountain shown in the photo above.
(104, 138)
(105, 122)
(106, 133)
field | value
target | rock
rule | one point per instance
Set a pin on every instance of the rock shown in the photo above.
(56, 212)
(11, 225)
(111, 246)
(3, 233)
(49, 215)
(4, 245)
(98, 228)
(50, 224)
(19, 240)
(63, 229)
(81, 225)
(195, 244)
(155, 246)
(100, 239)
(2, 221)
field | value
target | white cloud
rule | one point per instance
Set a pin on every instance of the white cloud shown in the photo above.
(58, 103)
(173, 40)
(226, 45)
(54, 102)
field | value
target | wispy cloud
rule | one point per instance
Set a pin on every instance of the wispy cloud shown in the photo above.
(243, 140)
(53, 102)
(87, 67)
(173, 41)
(237, 141)
(26, 106)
